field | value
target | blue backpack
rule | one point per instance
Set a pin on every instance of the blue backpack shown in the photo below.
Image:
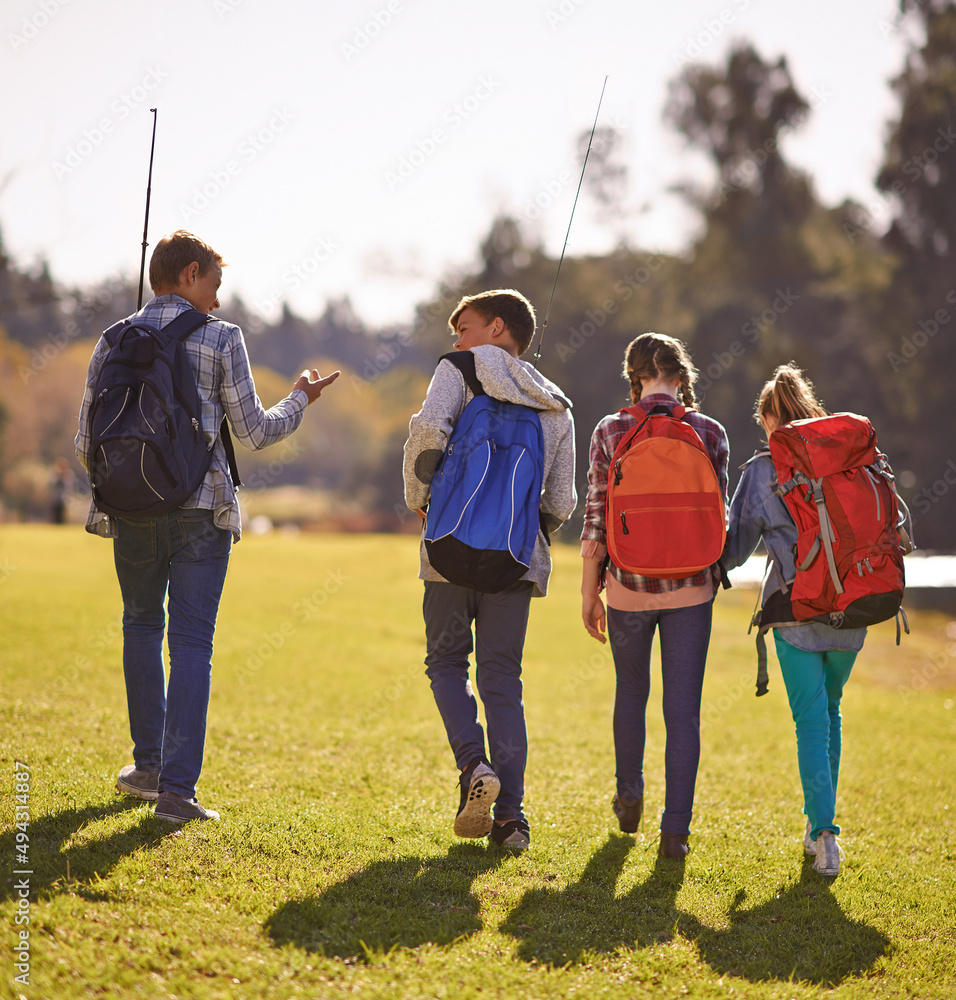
(148, 454)
(484, 507)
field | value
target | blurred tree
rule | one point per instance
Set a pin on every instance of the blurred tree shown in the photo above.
(772, 276)
(919, 178)
(606, 178)
(919, 169)
(29, 302)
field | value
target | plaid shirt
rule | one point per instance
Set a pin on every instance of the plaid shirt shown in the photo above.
(604, 441)
(218, 358)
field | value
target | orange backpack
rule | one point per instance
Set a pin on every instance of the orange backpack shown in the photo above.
(665, 510)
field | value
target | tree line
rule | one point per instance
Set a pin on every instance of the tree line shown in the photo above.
(862, 296)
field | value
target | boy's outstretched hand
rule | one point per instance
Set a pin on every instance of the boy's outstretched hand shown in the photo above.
(312, 384)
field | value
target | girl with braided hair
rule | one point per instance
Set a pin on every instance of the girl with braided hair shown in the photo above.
(660, 372)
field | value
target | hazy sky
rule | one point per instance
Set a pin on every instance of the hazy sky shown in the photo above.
(363, 148)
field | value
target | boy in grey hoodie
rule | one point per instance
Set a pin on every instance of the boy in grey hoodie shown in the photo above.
(497, 327)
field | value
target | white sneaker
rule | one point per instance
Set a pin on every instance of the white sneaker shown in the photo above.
(479, 789)
(827, 854)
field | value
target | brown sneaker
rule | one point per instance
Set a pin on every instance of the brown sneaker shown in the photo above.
(673, 845)
(628, 812)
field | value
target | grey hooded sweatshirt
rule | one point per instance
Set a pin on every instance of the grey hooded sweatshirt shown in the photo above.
(514, 381)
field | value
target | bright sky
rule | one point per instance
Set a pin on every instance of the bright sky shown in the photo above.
(363, 147)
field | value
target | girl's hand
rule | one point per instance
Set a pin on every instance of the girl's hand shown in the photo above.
(595, 620)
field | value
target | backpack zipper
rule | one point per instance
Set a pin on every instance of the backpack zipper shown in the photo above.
(118, 413)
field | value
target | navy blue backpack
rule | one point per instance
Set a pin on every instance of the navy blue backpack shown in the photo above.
(148, 454)
(484, 508)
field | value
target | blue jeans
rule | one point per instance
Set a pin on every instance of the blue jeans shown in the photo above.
(685, 636)
(500, 622)
(185, 554)
(815, 683)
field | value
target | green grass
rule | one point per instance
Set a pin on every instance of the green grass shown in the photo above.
(335, 872)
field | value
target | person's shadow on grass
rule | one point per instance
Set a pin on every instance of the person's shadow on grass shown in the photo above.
(396, 903)
(559, 926)
(45, 858)
(800, 934)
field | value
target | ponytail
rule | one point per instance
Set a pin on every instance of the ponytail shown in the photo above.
(788, 395)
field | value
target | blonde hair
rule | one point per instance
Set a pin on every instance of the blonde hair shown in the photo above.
(788, 395)
(656, 355)
(506, 304)
(176, 251)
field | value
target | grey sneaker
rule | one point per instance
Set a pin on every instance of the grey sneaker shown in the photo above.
(174, 809)
(827, 854)
(479, 789)
(515, 835)
(808, 846)
(142, 784)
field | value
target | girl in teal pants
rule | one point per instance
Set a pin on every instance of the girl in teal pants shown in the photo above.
(815, 659)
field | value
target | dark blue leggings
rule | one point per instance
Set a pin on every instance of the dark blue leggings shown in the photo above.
(685, 635)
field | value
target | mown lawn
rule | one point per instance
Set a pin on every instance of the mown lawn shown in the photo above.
(335, 872)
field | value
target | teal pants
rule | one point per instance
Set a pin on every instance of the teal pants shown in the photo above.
(814, 683)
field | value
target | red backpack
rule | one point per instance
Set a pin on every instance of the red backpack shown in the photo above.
(665, 510)
(840, 491)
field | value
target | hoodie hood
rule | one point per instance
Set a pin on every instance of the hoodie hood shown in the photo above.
(515, 381)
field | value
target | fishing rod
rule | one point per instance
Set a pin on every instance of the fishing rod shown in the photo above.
(547, 313)
(149, 186)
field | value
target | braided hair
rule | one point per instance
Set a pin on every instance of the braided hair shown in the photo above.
(653, 356)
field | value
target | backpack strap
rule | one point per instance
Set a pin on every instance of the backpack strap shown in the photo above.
(825, 537)
(776, 613)
(826, 531)
(186, 323)
(112, 335)
(464, 361)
